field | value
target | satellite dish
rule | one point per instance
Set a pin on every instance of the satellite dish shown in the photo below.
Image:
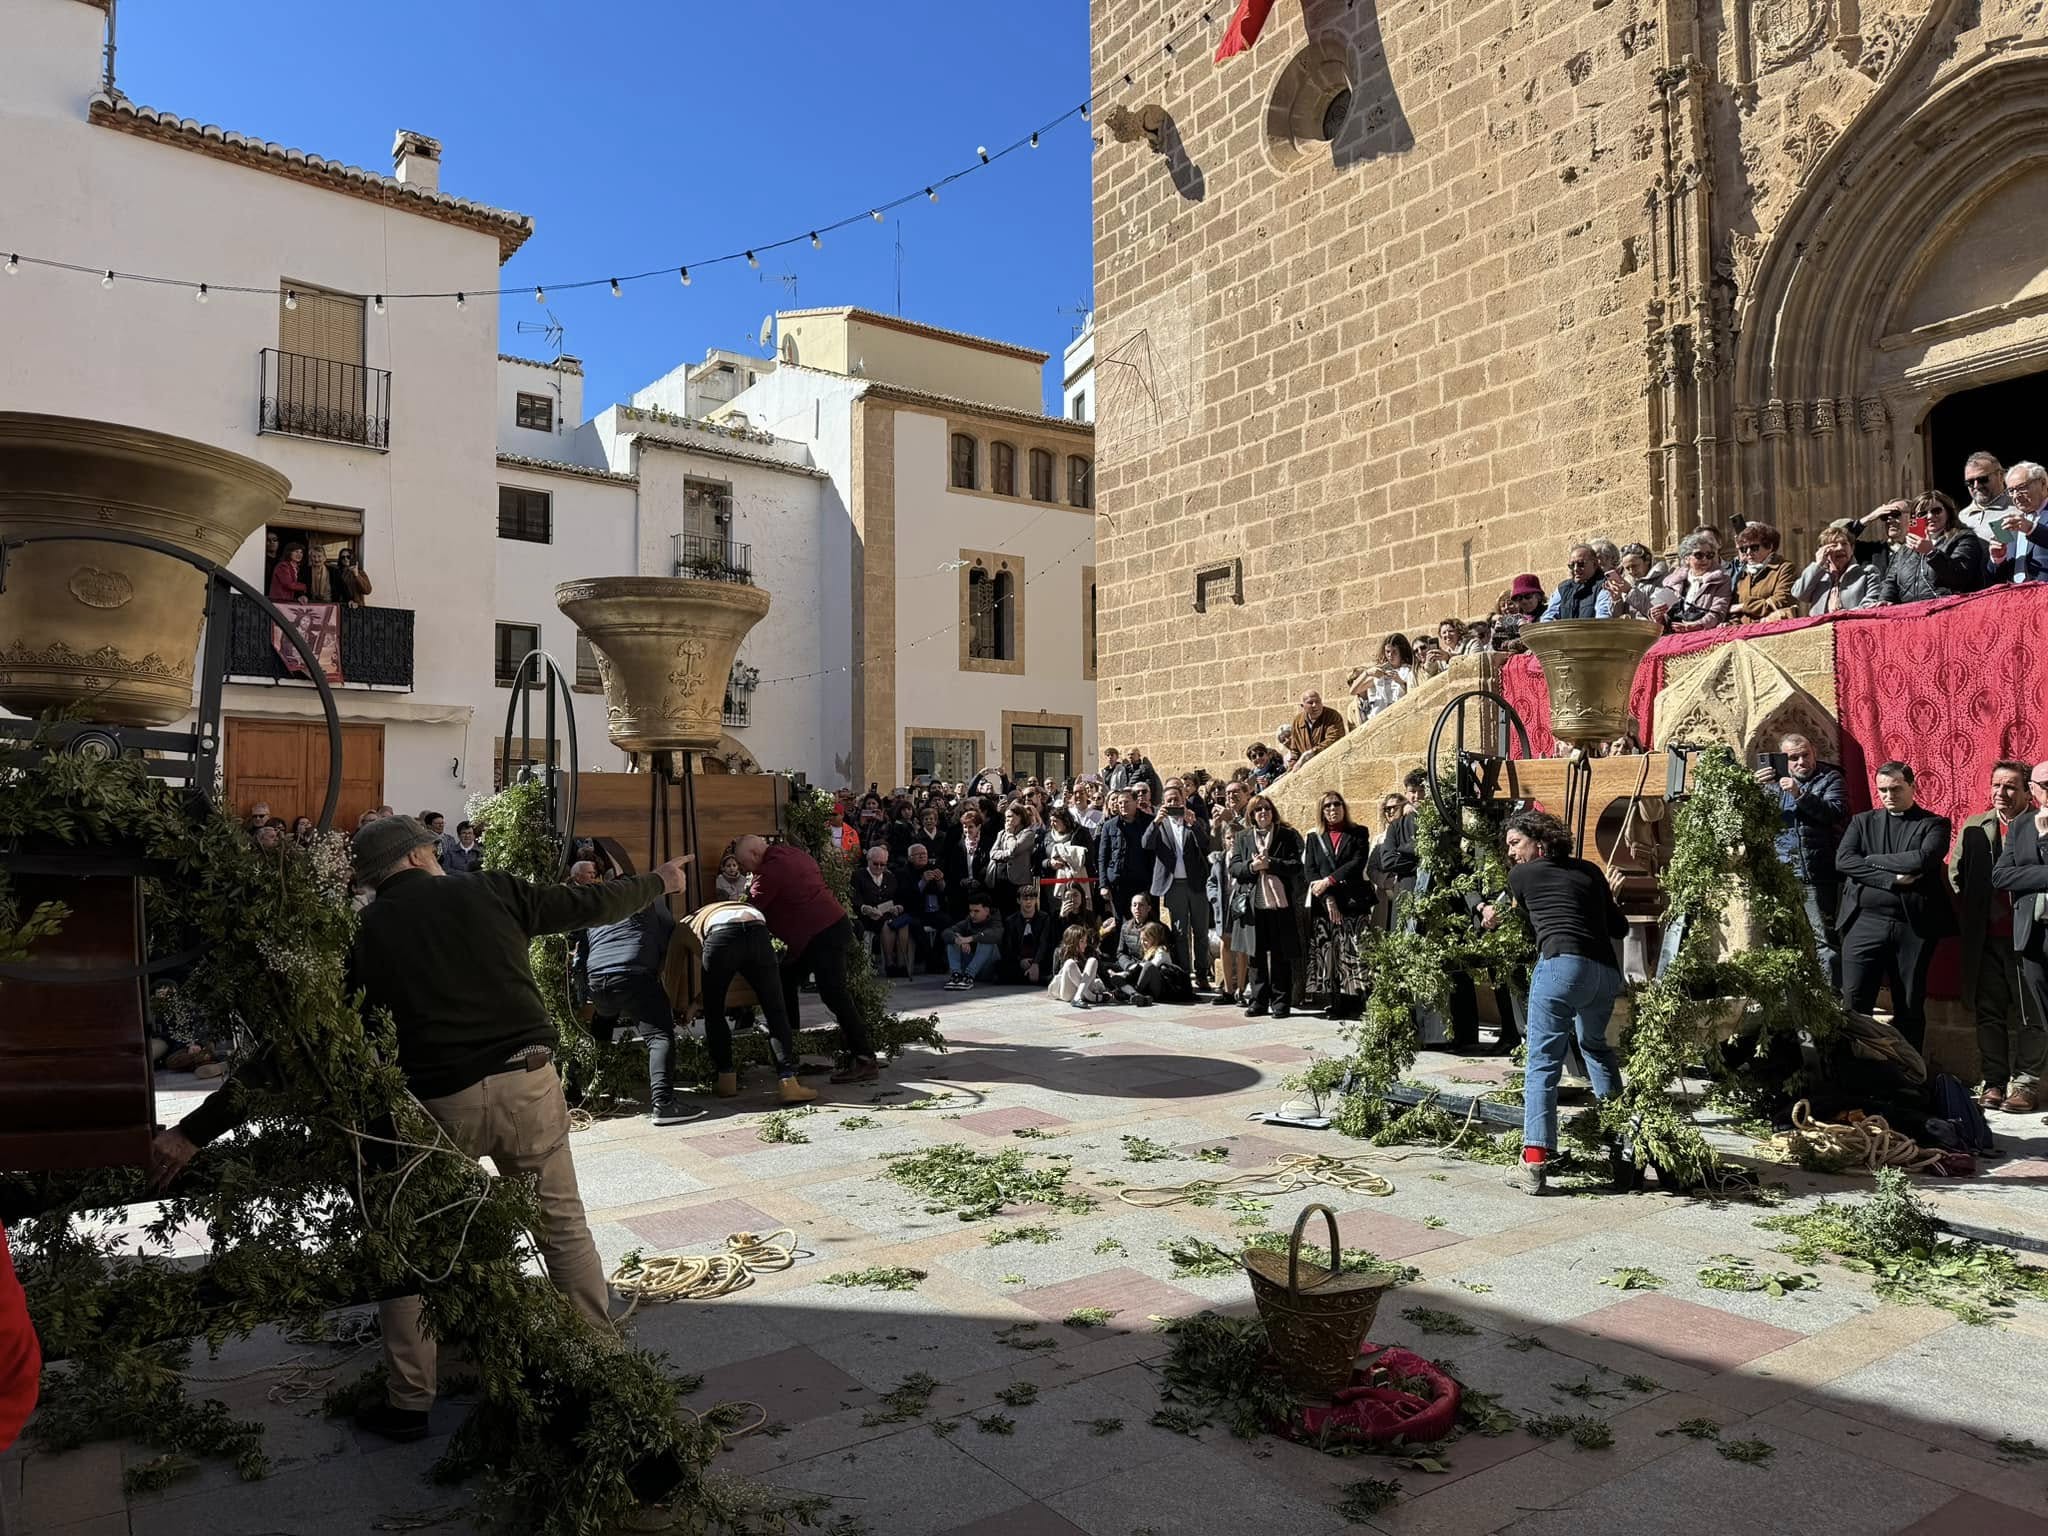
(767, 333)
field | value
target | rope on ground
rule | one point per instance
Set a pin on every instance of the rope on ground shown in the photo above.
(1868, 1142)
(703, 1277)
(1287, 1176)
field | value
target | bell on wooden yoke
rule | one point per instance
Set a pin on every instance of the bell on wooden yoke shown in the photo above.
(665, 647)
(107, 630)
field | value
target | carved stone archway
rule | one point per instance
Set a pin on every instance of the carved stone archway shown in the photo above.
(1859, 316)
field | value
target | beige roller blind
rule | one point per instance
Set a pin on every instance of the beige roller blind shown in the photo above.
(325, 325)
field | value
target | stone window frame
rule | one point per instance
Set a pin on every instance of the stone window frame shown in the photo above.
(1299, 97)
(998, 446)
(1089, 659)
(1051, 461)
(1076, 727)
(1023, 444)
(1086, 501)
(994, 563)
(945, 733)
(1228, 573)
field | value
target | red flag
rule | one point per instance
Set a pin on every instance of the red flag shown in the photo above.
(1244, 29)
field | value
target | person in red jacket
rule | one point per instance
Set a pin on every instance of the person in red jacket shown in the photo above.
(816, 933)
(21, 1357)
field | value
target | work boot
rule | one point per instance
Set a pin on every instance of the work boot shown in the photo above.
(379, 1417)
(793, 1092)
(1528, 1177)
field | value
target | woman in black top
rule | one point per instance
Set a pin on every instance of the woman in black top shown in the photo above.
(1575, 983)
(1340, 904)
(1266, 883)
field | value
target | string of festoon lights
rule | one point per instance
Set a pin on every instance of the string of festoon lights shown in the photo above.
(202, 290)
(944, 629)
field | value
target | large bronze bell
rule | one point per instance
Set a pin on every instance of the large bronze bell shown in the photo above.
(107, 627)
(665, 648)
(1590, 665)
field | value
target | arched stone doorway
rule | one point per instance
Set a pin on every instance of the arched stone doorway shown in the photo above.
(1911, 269)
(2008, 419)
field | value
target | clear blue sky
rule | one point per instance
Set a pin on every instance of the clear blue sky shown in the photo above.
(647, 133)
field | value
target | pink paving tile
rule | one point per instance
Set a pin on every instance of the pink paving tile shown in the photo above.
(1391, 1237)
(1221, 1019)
(2021, 1168)
(1705, 1338)
(794, 1385)
(1025, 1520)
(1133, 1296)
(710, 1222)
(1967, 1512)
(734, 1143)
(1000, 1122)
(1284, 1055)
(1245, 1151)
(1127, 1048)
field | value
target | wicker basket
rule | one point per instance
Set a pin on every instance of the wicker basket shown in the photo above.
(1315, 1319)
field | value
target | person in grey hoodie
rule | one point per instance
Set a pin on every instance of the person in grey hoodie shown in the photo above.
(618, 967)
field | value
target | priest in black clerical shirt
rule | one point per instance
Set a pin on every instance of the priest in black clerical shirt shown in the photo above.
(1895, 901)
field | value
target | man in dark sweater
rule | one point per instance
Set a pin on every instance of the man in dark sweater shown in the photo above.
(448, 958)
(618, 968)
(1893, 862)
(1029, 939)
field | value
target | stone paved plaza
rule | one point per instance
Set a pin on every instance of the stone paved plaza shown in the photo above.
(1883, 1418)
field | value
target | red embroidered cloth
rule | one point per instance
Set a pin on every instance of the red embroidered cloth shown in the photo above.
(21, 1359)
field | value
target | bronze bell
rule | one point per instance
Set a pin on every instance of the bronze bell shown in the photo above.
(1590, 665)
(108, 627)
(665, 647)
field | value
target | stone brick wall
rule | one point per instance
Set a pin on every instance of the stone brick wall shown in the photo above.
(1389, 375)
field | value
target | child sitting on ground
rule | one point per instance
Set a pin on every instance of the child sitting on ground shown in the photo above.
(1155, 978)
(1077, 979)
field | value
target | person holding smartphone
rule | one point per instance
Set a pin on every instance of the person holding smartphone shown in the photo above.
(1958, 558)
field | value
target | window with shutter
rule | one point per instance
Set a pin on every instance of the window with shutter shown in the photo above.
(963, 462)
(1080, 482)
(525, 515)
(515, 642)
(1041, 475)
(1002, 469)
(981, 616)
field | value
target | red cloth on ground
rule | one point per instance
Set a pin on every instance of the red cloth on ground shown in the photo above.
(793, 896)
(1246, 24)
(1374, 1414)
(21, 1357)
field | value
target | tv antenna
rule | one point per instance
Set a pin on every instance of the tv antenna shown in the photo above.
(1081, 310)
(552, 329)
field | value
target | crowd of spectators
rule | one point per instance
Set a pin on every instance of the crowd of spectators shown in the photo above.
(1905, 551)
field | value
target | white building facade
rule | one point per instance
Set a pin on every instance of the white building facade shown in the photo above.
(382, 421)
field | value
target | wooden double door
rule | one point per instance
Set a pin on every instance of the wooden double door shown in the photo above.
(285, 763)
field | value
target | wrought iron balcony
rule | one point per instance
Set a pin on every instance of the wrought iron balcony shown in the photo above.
(709, 558)
(317, 397)
(376, 645)
(739, 695)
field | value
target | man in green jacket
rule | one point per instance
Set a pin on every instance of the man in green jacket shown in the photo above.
(448, 958)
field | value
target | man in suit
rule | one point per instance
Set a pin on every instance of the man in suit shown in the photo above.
(1179, 843)
(1813, 807)
(2022, 872)
(1895, 901)
(1991, 973)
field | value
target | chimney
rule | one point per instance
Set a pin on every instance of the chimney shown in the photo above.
(416, 160)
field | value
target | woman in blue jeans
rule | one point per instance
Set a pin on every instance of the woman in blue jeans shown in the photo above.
(1576, 979)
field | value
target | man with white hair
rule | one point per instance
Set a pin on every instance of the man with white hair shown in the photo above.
(2026, 553)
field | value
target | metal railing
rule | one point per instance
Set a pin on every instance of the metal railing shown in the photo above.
(739, 695)
(709, 558)
(376, 645)
(317, 397)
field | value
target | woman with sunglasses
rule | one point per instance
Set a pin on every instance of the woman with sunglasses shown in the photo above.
(1339, 905)
(1763, 580)
(1699, 585)
(348, 581)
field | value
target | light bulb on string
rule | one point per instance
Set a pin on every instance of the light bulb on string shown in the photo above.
(291, 298)
(753, 261)
(683, 276)
(1034, 141)
(539, 296)
(931, 194)
(982, 150)
(1169, 47)
(617, 292)
(199, 294)
(377, 303)
(461, 301)
(1128, 80)
(816, 243)
(875, 214)
(107, 278)
(13, 264)
(1084, 111)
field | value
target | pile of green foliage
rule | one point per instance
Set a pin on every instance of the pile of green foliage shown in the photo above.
(312, 1207)
(978, 1185)
(1892, 1234)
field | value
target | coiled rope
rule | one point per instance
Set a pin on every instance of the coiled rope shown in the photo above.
(1868, 1142)
(1289, 1175)
(703, 1277)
